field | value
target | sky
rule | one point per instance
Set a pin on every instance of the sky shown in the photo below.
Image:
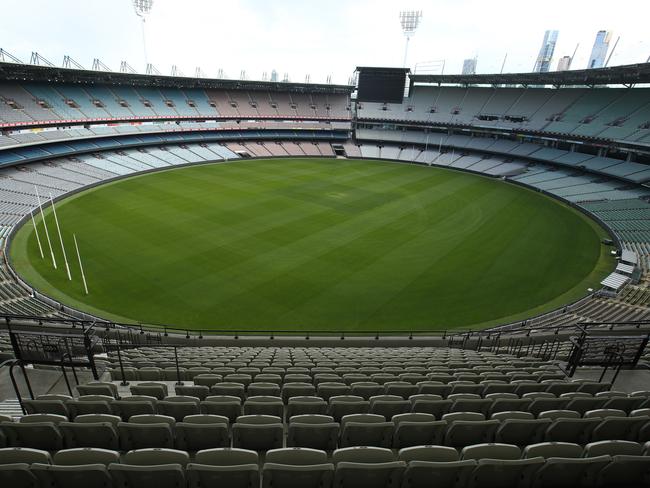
(316, 38)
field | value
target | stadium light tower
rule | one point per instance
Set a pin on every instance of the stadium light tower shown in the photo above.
(143, 9)
(410, 20)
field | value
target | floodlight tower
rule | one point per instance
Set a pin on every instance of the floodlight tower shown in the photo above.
(143, 9)
(410, 20)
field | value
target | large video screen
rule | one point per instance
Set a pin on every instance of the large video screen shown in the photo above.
(383, 85)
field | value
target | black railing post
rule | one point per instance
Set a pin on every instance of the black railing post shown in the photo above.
(178, 370)
(119, 358)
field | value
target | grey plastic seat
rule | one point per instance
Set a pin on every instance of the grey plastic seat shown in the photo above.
(461, 433)
(90, 404)
(158, 476)
(297, 467)
(56, 407)
(560, 387)
(429, 453)
(510, 404)
(154, 456)
(86, 455)
(297, 389)
(329, 389)
(583, 405)
(389, 405)
(258, 432)
(300, 405)
(179, 406)
(226, 405)
(417, 429)
(594, 387)
(613, 448)
(558, 472)
(42, 417)
(198, 432)
(403, 389)
(522, 432)
(264, 405)
(207, 379)
(340, 406)
(98, 388)
(134, 405)
(232, 468)
(229, 388)
(427, 474)
(512, 414)
(366, 430)
(480, 405)
(18, 475)
(156, 390)
(625, 471)
(197, 391)
(313, 431)
(150, 373)
(577, 431)
(37, 435)
(491, 451)
(366, 389)
(558, 414)
(244, 379)
(79, 476)
(601, 413)
(428, 403)
(24, 455)
(89, 434)
(434, 388)
(365, 467)
(540, 405)
(97, 417)
(142, 436)
(553, 449)
(621, 428)
(504, 472)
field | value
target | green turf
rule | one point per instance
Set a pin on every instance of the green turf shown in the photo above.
(317, 244)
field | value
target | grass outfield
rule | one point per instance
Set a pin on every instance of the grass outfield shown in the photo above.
(317, 244)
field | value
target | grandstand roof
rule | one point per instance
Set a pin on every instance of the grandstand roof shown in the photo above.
(630, 74)
(47, 74)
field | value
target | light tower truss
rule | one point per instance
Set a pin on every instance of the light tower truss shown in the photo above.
(410, 21)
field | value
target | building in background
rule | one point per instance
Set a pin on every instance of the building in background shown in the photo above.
(545, 55)
(599, 51)
(564, 64)
(274, 76)
(469, 66)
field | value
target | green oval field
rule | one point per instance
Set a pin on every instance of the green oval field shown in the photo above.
(315, 244)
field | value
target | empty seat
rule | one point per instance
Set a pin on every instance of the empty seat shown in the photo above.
(197, 391)
(613, 448)
(621, 428)
(480, 405)
(197, 432)
(89, 434)
(226, 405)
(77, 476)
(461, 433)
(559, 472)
(207, 379)
(156, 390)
(300, 405)
(414, 429)
(134, 405)
(264, 405)
(327, 390)
(430, 403)
(232, 468)
(258, 432)
(229, 389)
(571, 430)
(403, 389)
(98, 388)
(37, 435)
(434, 466)
(491, 451)
(366, 467)
(90, 404)
(145, 435)
(179, 406)
(56, 407)
(522, 431)
(297, 467)
(340, 406)
(389, 405)
(159, 476)
(366, 430)
(366, 389)
(297, 389)
(550, 449)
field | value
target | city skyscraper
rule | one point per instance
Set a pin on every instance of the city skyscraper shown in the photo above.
(599, 51)
(274, 76)
(469, 66)
(545, 55)
(564, 63)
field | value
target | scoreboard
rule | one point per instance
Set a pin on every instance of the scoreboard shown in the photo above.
(381, 85)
